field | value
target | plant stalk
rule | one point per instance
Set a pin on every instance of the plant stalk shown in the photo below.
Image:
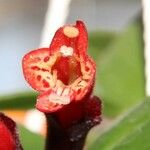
(58, 138)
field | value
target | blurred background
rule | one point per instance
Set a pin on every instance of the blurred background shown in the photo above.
(115, 42)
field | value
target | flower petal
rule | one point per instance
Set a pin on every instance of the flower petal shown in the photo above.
(35, 68)
(78, 41)
(82, 41)
(44, 103)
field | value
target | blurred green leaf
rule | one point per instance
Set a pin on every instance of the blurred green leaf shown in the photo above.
(120, 72)
(24, 100)
(98, 42)
(30, 141)
(131, 133)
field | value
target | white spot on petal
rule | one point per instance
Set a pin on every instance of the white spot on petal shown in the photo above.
(66, 51)
(59, 99)
(66, 91)
(59, 91)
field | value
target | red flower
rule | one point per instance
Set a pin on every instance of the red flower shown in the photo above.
(8, 136)
(64, 75)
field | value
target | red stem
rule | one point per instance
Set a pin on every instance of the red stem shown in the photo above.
(58, 138)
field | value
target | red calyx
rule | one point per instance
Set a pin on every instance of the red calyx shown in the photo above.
(88, 109)
(8, 136)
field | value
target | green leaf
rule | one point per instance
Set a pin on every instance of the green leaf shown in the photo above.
(120, 72)
(25, 100)
(30, 141)
(131, 133)
(98, 42)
